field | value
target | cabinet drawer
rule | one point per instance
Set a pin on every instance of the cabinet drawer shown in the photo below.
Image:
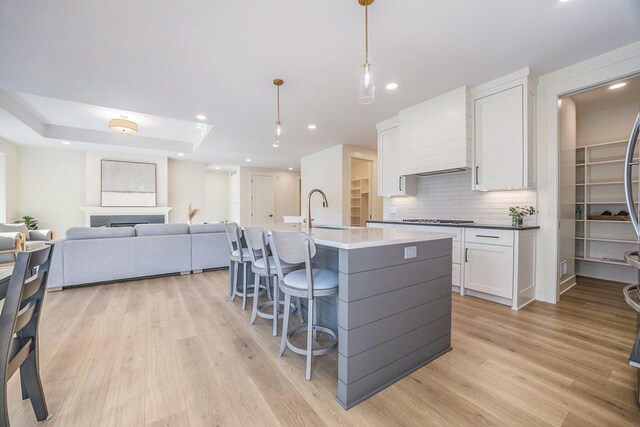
(456, 231)
(489, 236)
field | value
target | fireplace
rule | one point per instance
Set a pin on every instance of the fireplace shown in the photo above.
(124, 220)
(98, 216)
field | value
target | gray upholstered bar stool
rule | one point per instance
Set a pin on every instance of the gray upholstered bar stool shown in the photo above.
(263, 266)
(308, 283)
(239, 256)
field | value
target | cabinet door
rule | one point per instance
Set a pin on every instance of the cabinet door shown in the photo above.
(489, 269)
(389, 180)
(499, 140)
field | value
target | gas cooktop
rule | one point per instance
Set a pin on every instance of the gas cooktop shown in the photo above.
(438, 221)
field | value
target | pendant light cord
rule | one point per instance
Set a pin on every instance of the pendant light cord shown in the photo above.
(278, 103)
(366, 33)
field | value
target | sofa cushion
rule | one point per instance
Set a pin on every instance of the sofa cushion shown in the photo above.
(207, 228)
(161, 229)
(11, 235)
(7, 243)
(15, 228)
(83, 233)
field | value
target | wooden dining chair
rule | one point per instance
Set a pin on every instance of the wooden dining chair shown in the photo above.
(19, 320)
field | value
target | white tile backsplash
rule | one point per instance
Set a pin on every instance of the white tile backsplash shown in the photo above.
(450, 196)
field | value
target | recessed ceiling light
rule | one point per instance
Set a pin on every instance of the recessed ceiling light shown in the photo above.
(392, 86)
(181, 154)
(217, 168)
(617, 85)
(312, 127)
(564, 1)
(290, 169)
(247, 160)
(65, 142)
(201, 117)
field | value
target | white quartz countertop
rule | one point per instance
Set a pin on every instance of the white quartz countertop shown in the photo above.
(362, 237)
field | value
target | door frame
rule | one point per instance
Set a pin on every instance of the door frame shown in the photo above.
(617, 64)
(373, 184)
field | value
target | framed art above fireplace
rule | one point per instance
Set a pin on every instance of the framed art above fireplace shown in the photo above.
(128, 184)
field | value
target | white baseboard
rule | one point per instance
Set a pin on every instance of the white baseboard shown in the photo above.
(567, 284)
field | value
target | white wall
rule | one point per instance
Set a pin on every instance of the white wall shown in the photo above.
(287, 194)
(10, 152)
(324, 170)
(567, 141)
(186, 185)
(611, 124)
(94, 169)
(216, 196)
(449, 196)
(234, 196)
(52, 187)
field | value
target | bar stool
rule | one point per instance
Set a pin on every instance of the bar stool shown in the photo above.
(239, 255)
(264, 266)
(309, 283)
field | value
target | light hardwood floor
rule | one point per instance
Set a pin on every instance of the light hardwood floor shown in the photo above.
(175, 351)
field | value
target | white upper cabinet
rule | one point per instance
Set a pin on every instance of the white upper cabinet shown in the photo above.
(503, 133)
(390, 181)
(435, 135)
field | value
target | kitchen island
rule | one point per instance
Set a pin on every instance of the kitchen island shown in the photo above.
(393, 311)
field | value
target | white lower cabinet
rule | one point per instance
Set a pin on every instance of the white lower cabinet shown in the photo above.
(489, 269)
(499, 265)
(493, 264)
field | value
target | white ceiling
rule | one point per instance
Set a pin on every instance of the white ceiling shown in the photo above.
(218, 58)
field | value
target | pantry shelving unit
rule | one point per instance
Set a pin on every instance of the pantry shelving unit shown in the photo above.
(601, 242)
(360, 189)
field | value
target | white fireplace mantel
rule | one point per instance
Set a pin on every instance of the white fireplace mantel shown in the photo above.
(90, 211)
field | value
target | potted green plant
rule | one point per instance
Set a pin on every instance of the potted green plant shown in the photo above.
(517, 214)
(29, 221)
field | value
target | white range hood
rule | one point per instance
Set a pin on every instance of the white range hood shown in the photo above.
(435, 135)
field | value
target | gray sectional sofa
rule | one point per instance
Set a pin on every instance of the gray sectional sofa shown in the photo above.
(102, 254)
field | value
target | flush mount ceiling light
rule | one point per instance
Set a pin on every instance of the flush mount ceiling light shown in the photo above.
(201, 117)
(122, 125)
(181, 154)
(617, 86)
(277, 133)
(311, 127)
(367, 91)
(247, 160)
(392, 86)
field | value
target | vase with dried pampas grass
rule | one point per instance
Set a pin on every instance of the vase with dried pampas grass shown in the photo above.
(191, 212)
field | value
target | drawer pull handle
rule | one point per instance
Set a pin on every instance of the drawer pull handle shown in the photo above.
(466, 254)
(488, 236)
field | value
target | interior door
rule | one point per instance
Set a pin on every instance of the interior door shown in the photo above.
(262, 201)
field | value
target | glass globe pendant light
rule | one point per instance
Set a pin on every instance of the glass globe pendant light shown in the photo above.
(367, 92)
(277, 132)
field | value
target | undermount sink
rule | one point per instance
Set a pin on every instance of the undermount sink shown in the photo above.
(331, 227)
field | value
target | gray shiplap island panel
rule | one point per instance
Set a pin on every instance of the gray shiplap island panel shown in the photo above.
(393, 314)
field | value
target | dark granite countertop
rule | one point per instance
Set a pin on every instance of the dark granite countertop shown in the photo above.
(474, 225)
